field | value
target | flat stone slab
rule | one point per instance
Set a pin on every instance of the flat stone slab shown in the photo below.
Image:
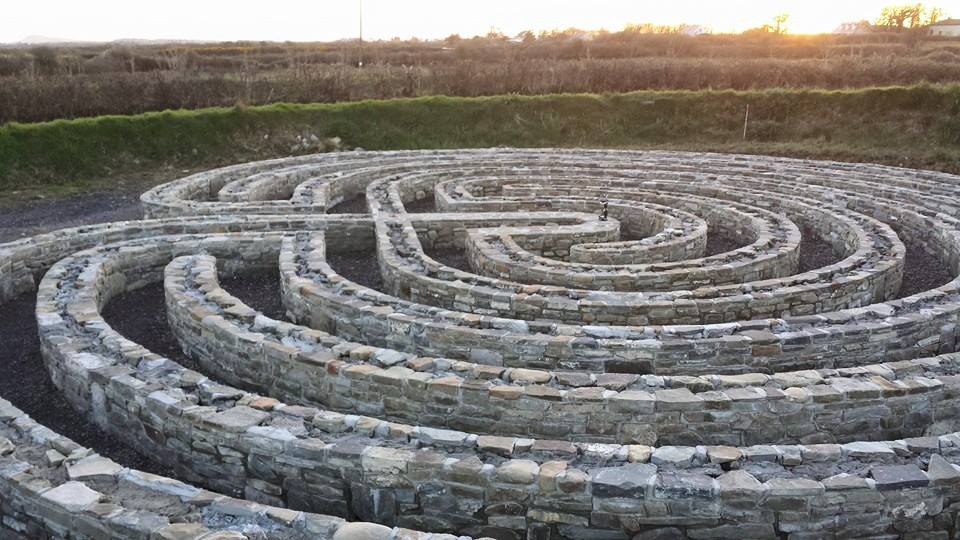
(74, 496)
(518, 471)
(868, 450)
(889, 477)
(678, 456)
(93, 467)
(940, 471)
(237, 419)
(442, 437)
(739, 484)
(627, 481)
(683, 485)
(363, 531)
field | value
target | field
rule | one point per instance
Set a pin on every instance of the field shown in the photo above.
(44, 83)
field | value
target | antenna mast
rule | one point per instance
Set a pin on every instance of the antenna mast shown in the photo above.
(360, 51)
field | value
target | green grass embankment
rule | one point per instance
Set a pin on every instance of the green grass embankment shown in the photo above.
(910, 126)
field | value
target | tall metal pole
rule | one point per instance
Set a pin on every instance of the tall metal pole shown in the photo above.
(360, 52)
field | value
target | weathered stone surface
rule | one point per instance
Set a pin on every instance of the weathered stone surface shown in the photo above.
(93, 468)
(684, 485)
(237, 419)
(529, 376)
(868, 451)
(942, 472)
(844, 481)
(723, 454)
(793, 487)
(630, 481)
(74, 496)
(639, 453)
(678, 456)
(518, 471)
(6, 446)
(815, 453)
(499, 445)
(442, 437)
(898, 476)
(363, 531)
(739, 484)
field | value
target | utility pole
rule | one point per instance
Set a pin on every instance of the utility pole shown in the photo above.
(360, 50)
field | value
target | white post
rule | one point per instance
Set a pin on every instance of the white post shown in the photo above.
(746, 118)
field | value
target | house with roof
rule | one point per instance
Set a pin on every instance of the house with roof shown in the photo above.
(946, 27)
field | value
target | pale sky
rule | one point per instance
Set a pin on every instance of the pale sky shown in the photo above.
(324, 20)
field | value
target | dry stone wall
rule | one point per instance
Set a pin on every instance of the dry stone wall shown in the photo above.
(572, 378)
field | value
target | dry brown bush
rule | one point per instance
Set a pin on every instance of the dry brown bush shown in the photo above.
(70, 82)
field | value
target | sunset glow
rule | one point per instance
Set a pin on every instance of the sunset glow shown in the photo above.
(323, 20)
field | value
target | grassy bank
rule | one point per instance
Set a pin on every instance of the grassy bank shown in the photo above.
(911, 126)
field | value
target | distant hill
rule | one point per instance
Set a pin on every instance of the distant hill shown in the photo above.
(47, 40)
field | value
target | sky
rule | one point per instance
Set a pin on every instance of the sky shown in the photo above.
(327, 20)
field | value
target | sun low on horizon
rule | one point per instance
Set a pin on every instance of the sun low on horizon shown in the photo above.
(326, 20)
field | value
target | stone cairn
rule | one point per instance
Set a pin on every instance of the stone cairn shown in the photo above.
(576, 378)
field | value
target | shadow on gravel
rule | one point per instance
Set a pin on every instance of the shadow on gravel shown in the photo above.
(25, 383)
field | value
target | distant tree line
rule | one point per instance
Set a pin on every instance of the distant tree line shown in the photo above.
(48, 82)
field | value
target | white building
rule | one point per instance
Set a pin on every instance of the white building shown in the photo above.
(947, 27)
(860, 27)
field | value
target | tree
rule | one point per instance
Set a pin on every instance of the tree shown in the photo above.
(904, 17)
(780, 24)
(778, 28)
(527, 36)
(496, 35)
(45, 60)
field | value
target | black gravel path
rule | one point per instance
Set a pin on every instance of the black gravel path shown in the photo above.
(259, 289)
(25, 383)
(45, 216)
(815, 252)
(452, 257)
(721, 242)
(356, 205)
(922, 272)
(426, 205)
(358, 267)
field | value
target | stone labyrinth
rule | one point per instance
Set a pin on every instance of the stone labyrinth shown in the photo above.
(729, 355)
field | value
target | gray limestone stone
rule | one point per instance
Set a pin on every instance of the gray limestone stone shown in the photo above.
(844, 481)
(518, 471)
(684, 485)
(868, 451)
(898, 476)
(363, 531)
(237, 419)
(74, 496)
(93, 468)
(739, 484)
(627, 481)
(678, 456)
(442, 437)
(942, 472)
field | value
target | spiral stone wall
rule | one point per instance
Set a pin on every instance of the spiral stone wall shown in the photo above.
(519, 368)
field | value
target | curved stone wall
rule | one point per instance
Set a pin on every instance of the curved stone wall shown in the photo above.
(559, 381)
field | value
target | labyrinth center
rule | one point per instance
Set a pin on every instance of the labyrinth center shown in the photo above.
(471, 347)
